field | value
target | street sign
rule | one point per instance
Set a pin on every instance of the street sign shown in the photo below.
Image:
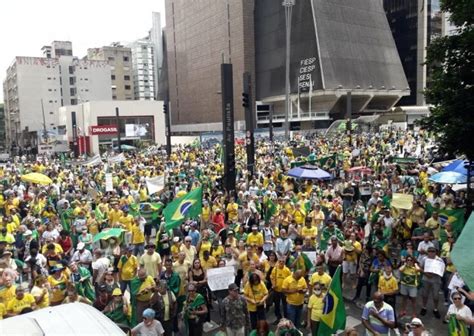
(104, 129)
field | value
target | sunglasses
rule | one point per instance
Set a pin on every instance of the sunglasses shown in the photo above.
(187, 241)
(456, 299)
(414, 326)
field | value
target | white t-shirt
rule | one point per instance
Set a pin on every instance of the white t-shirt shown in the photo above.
(155, 329)
(465, 311)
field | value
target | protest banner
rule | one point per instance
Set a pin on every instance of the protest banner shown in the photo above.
(220, 278)
(434, 266)
(155, 184)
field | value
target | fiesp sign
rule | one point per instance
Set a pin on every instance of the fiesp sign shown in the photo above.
(105, 129)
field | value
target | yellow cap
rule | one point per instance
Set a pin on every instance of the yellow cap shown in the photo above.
(117, 292)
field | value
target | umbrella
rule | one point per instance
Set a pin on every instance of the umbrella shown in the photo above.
(104, 235)
(448, 177)
(309, 172)
(456, 166)
(36, 178)
(125, 147)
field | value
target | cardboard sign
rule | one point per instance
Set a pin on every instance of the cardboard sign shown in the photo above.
(220, 278)
(434, 266)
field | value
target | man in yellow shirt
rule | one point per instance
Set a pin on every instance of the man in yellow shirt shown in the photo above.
(320, 277)
(279, 273)
(232, 210)
(208, 261)
(21, 303)
(114, 215)
(127, 266)
(255, 237)
(138, 236)
(299, 215)
(309, 230)
(7, 291)
(295, 288)
(142, 288)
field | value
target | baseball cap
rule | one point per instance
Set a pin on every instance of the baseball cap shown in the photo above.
(28, 233)
(233, 286)
(416, 322)
(81, 246)
(149, 313)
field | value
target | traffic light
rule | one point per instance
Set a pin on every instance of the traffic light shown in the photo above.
(245, 100)
(165, 108)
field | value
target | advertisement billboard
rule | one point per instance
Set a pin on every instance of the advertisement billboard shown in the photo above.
(53, 140)
(136, 130)
(104, 129)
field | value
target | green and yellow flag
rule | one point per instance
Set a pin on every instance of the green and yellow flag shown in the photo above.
(453, 216)
(271, 210)
(188, 206)
(334, 312)
(456, 327)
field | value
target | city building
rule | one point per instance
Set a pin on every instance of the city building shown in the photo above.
(35, 87)
(337, 47)
(2, 128)
(156, 37)
(414, 24)
(141, 123)
(120, 62)
(143, 69)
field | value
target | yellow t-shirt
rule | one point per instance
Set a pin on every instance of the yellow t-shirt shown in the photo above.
(205, 246)
(290, 283)
(299, 216)
(58, 288)
(6, 294)
(218, 251)
(324, 279)
(146, 289)
(3, 311)
(128, 267)
(245, 261)
(210, 263)
(316, 304)
(126, 222)
(309, 232)
(206, 213)
(256, 239)
(277, 277)
(232, 210)
(138, 237)
(15, 306)
(57, 248)
(114, 216)
(36, 291)
(256, 293)
(387, 286)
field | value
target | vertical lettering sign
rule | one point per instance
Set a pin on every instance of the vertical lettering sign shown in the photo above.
(307, 67)
(228, 126)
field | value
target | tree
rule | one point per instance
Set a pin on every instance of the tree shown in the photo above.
(451, 91)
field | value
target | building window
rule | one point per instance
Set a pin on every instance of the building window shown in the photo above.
(50, 90)
(112, 77)
(126, 77)
(114, 97)
(111, 58)
(72, 80)
(71, 69)
(73, 101)
(72, 91)
(127, 87)
(51, 112)
(125, 58)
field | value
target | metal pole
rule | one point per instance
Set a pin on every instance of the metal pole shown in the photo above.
(83, 131)
(349, 116)
(288, 4)
(249, 123)
(270, 125)
(119, 140)
(167, 126)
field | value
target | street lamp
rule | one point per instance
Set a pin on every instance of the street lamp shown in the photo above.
(288, 4)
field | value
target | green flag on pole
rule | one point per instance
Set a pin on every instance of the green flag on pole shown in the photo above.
(188, 206)
(461, 255)
(334, 312)
(271, 210)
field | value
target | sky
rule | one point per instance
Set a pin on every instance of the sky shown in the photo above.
(28, 25)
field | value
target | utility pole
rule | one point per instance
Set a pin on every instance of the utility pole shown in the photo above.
(349, 116)
(288, 4)
(249, 122)
(228, 127)
(119, 140)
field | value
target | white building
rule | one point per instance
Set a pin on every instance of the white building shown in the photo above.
(143, 69)
(140, 121)
(35, 87)
(156, 37)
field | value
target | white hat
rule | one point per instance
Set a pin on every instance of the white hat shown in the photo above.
(416, 321)
(80, 246)
(176, 239)
(27, 233)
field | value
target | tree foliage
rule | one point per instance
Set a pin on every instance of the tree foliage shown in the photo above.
(451, 91)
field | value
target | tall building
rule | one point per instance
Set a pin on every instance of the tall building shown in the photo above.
(143, 69)
(2, 128)
(35, 87)
(337, 47)
(156, 37)
(414, 24)
(120, 62)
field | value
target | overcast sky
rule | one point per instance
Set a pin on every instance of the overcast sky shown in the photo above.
(27, 25)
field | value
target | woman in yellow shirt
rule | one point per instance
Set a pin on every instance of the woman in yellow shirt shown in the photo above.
(315, 308)
(40, 291)
(255, 293)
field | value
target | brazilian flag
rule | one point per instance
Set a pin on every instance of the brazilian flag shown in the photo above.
(456, 327)
(188, 206)
(334, 312)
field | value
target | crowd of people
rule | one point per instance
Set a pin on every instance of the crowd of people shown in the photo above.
(285, 238)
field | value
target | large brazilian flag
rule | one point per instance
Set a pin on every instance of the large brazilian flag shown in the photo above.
(334, 312)
(188, 206)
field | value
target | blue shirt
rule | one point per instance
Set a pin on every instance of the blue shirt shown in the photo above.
(194, 237)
